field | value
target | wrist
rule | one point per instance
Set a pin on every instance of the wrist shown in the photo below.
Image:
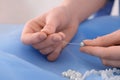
(82, 9)
(72, 9)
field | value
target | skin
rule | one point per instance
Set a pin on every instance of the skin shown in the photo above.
(50, 32)
(106, 47)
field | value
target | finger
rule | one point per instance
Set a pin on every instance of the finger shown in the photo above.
(51, 25)
(31, 32)
(112, 52)
(52, 39)
(58, 37)
(95, 51)
(34, 25)
(47, 50)
(54, 55)
(107, 40)
(32, 38)
(113, 63)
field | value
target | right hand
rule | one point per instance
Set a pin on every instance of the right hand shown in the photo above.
(106, 47)
(47, 32)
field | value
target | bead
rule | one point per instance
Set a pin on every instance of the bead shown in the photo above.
(107, 74)
(72, 77)
(82, 44)
(64, 74)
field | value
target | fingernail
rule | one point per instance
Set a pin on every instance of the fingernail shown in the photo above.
(45, 31)
(43, 35)
(57, 39)
(87, 42)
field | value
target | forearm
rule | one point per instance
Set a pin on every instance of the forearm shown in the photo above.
(82, 9)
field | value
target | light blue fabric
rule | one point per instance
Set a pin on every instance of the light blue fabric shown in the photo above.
(15, 68)
(22, 62)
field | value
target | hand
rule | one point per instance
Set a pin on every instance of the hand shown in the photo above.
(106, 47)
(47, 32)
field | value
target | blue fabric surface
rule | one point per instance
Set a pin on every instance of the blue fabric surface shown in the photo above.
(106, 10)
(22, 62)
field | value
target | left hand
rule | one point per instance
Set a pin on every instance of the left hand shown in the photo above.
(48, 32)
(107, 48)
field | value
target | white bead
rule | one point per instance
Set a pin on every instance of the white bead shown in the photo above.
(64, 74)
(69, 70)
(78, 74)
(72, 78)
(82, 44)
(107, 74)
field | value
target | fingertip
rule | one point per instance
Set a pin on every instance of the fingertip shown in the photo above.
(23, 40)
(56, 38)
(26, 39)
(82, 49)
(45, 31)
(88, 42)
(54, 55)
(38, 37)
(99, 41)
(43, 35)
(32, 38)
(94, 51)
(86, 49)
(51, 57)
(49, 29)
(62, 35)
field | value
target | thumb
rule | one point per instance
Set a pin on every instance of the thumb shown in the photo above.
(106, 40)
(49, 29)
(51, 26)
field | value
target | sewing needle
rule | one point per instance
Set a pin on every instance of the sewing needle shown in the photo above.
(81, 44)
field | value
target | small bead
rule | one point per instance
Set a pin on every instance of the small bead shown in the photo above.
(78, 74)
(64, 74)
(72, 78)
(69, 70)
(82, 44)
